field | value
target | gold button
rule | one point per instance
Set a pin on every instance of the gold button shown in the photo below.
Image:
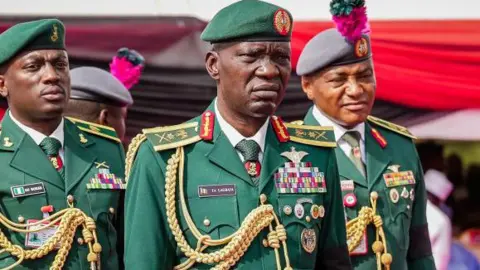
(21, 219)
(374, 195)
(308, 219)
(206, 222)
(70, 198)
(80, 241)
(408, 206)
(265, 243)
(111, 210)
(263, 198)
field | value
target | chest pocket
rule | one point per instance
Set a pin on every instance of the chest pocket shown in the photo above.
(301, 215)
(400, 203)
(214, 216)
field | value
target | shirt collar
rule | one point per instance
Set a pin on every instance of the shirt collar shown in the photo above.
(235, 137)
(339, 130)
(38, 137)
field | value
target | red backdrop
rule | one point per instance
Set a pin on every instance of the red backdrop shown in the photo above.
(426, 64)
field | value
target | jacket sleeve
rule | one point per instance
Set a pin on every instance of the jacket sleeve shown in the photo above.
(119, 215)
(333, 251)
(147, 241)
(419, 254)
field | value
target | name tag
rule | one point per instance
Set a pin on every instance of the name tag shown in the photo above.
(347, 185)
(27, 190)
(216, 191)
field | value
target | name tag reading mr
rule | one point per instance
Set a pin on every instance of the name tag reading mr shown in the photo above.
(27, 190)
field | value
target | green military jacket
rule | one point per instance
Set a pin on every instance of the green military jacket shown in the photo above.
(219, 194)
(389, 148)
(88, 147)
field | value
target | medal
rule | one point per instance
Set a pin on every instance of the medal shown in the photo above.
(405, 193)
(309, 240)
(299, 211)
(350, 200)
(394, 196)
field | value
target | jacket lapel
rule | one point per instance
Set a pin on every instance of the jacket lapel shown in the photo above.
(347, 169)
(78, 160)
(272, 159)
(224, 155)
(377, 157)
(27, 156)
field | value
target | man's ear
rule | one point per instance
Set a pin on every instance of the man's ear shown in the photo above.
(307, 87)
(3, 86)
(103, 117)
(211, 63)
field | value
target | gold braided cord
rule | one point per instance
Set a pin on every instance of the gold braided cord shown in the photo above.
(68, 219)
(235, 245)
(357, 227)
(131, 152)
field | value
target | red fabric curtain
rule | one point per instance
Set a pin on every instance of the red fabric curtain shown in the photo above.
(423, 64)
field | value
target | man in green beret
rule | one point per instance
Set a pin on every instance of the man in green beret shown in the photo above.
(381, 177)
(60, 179)
(236, 187)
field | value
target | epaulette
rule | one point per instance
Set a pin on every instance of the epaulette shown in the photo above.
(169, 137)
(312, 135)
(97, 129)
(132, 152)
(391, 126)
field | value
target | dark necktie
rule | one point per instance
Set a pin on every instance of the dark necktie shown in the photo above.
(51, 147)
(250, 151)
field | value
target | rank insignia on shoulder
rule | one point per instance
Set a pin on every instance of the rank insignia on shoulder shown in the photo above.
(391, 126)
(299, 177)
(93, 128)
(398, 178)
(312, 135)
(169, 137)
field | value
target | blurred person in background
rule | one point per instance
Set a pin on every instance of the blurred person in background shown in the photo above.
(439, 225)
(103, 97)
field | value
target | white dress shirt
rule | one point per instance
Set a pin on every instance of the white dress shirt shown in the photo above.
(38, 137)
(235, 137)
(440, 232)
(340, 131)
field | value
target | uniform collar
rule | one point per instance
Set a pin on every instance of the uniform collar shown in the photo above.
(339, 130)
(235, 137)
(38, 137)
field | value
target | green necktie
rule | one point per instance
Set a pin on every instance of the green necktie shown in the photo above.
(250, 151)
(353, 139)
(51, 147)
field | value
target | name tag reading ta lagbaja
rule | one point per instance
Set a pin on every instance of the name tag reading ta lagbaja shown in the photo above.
(27, 190)
(216, 191)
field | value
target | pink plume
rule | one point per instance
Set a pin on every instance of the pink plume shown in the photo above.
(353, 25)
(125, 71)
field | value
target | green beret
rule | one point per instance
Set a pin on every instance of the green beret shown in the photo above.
(329, 48)
(34, 35)
(249, 20)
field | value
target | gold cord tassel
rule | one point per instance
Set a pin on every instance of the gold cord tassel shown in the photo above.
(236, 244)
(357, 226)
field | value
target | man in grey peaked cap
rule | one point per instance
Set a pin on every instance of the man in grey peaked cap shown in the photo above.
(97, 96)
(381, 178)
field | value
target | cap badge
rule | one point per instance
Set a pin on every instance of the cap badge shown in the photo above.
(54, 36)
(282, 22)
(361, 47)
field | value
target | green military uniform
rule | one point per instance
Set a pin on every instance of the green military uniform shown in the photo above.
(219, 195)
(88, 150)
(393, 170)
(59, 193)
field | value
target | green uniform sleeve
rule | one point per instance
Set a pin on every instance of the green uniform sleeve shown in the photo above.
(119, 215)
(333, 251)
(419, 255)
(147, 243)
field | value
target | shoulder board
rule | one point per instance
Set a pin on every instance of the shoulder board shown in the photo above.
(312, 135)
(297, 122)
(93, 128)
(163, 138)
(391, 126)
(132, 152)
